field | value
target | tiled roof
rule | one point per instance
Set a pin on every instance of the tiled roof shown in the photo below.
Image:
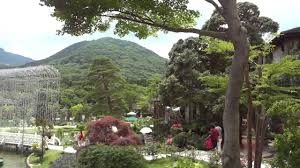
(294, 32)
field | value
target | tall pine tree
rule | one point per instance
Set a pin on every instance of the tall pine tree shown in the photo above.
(106, 81)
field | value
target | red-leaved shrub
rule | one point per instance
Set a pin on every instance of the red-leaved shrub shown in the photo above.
(123, 141)
(101, 132)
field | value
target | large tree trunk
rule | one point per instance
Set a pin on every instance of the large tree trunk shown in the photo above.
(108, 99)
(109, 103)
(231, 116)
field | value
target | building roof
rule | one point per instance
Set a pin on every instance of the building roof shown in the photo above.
(295, 32)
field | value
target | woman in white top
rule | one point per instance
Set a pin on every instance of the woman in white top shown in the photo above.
(219, 129)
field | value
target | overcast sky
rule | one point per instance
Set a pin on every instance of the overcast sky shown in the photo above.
(27, 28)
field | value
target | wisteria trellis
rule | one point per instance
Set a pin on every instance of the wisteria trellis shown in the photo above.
(27, 94)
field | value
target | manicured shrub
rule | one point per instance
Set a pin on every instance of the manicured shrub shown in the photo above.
(161, 129)
(174, 131)
(105, 156)
(67, 160)
(37, 151)
(155, 148)
(110, 130)
(80, 127)
(180, 140)
(195, 126)
(195, 140)
(287, 148)
(142, 122)
(151, 149)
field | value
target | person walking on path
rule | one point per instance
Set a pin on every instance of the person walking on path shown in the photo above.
(220, 138)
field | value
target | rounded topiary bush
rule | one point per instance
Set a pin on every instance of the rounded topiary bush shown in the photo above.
(67, 160)
(104, 156)
(180, 140)
(195, 140)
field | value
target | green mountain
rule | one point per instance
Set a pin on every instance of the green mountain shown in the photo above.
(7, 58)
(137, 63)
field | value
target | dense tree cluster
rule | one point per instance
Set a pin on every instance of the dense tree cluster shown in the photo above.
(195, 66)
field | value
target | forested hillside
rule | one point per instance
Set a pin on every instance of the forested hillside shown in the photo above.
(137, 63)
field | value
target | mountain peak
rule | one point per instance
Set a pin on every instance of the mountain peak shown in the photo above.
(136, 62)
(8, 58)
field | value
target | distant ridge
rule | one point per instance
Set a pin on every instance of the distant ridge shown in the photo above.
(11, 59)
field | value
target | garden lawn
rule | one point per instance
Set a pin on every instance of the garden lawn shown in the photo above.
(168, 163)
(49, 157)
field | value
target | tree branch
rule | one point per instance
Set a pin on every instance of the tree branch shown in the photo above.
(214, 34)
(218, 8)
(138, 19)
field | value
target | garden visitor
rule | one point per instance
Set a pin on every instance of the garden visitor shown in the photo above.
(169, 140)
(208, 143)
(214, 134)
(80, 138)
(220, 138)
(138, 114)
(212, 140)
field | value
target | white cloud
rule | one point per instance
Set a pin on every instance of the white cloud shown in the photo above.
(28, 29)
(26, 16)
(23, 24)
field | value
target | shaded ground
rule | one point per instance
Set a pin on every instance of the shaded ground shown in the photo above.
(268, 151)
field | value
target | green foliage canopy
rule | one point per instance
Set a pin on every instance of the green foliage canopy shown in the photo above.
(143, 18)
(250, 17)
(279, 81)
(194, 66)
(288, 110)
(110, 157)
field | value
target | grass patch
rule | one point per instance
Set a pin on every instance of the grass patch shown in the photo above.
(169, 163)
(49, 157)
(161, 163)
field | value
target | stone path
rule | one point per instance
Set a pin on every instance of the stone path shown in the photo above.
(196, 154)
